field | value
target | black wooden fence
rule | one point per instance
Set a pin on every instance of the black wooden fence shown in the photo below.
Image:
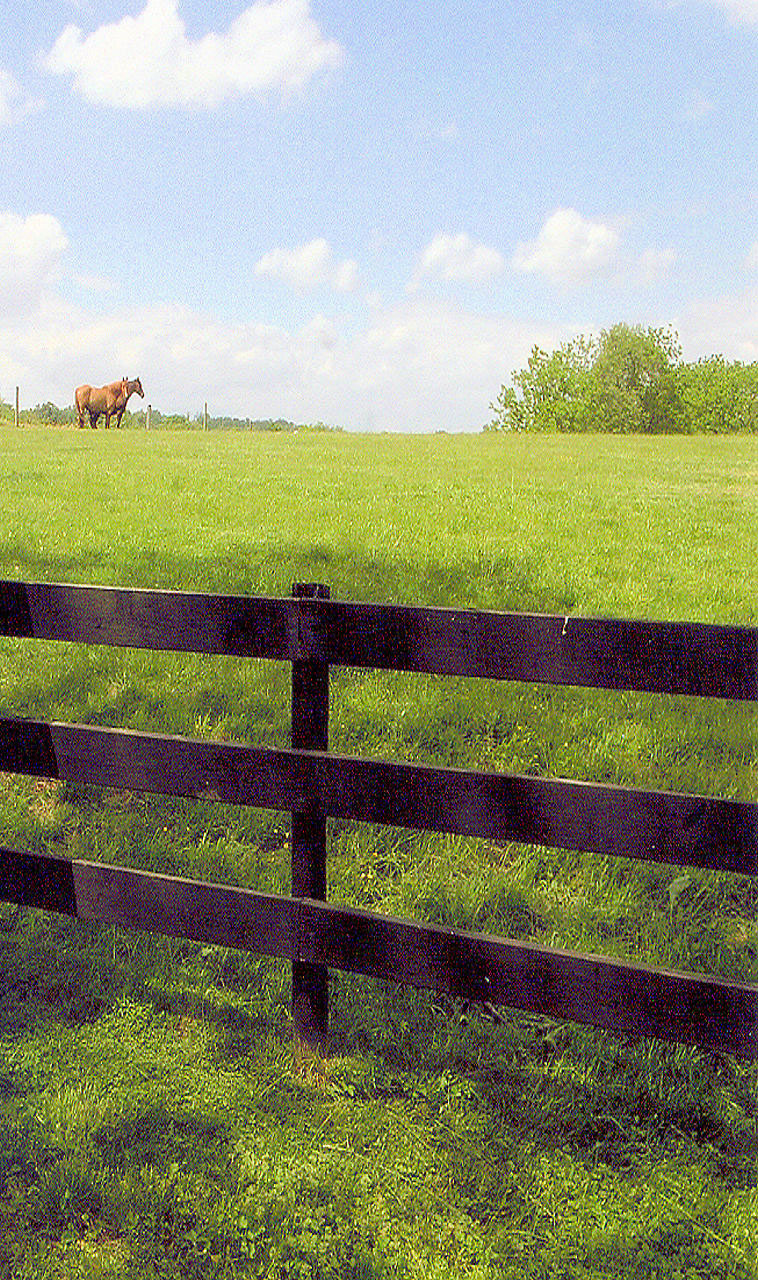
(313, 632)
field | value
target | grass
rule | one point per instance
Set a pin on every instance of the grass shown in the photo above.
(156, 1118)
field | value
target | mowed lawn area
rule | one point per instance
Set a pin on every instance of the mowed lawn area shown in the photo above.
(156, 1118)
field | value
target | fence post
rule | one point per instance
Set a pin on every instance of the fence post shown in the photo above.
(310, 732)
(17, 416)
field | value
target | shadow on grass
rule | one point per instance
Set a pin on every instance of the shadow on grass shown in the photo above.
(682, 1249)
(607, 1100)
(158, 1135)
(500, 582)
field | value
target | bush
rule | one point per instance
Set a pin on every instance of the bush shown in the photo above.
(627, 380)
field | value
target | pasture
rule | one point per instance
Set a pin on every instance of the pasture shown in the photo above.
(155, 1117)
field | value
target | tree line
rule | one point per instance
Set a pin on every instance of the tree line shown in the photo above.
(50, 415)
(629, 379)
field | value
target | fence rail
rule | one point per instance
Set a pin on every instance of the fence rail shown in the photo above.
(699, 659)
(616, 995)
(657, 826)
(312, 633)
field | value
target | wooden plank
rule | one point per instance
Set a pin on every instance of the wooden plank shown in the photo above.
(236, 625)
(616, 995)
(698, 659)
(650, 825)
(222, 915)
(37, 880)
(621, 997)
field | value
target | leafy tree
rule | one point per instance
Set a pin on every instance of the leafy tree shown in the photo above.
(50, 415)
(633, 385)
(719, 397)
(551, 394)
(624, 381)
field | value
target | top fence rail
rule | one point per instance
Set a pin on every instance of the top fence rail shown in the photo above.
(695, 659)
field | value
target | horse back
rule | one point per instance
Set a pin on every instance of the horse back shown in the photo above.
(114, 395)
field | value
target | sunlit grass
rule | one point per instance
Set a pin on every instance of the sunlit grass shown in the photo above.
(155, 1118)
(635, 527)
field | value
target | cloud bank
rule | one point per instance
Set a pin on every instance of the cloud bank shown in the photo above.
(30, 254)
(309, 266)
(457, 258)
(418, 364)
(274, 46)
(569, 249)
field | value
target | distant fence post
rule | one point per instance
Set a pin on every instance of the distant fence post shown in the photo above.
(310, 732)
(17, 419)
(148, 416)
(205, 416)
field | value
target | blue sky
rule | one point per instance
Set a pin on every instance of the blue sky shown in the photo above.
(367, 213)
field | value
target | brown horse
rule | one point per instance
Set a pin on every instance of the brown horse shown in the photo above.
(108, 400)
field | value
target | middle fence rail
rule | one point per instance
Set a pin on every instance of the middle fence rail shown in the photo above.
(313, 633)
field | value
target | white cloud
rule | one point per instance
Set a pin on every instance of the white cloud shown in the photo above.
(417, 366)
(15, 104)
(656, 264)
(723, 326)
(570, 249)
(148, 60)
(309, 266)
(751, 261)
(94, 283)
(740, 12)
(457, 258)
(436, 130)
(30, 252)
(424, 365)
(698, 107)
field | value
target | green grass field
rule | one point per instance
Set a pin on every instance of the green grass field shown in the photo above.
(156, 1119)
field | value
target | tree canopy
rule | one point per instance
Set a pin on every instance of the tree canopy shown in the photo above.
(629, 379)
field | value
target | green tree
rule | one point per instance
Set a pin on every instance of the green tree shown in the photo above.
(551, 394)
(51, 416)
(623, 381)
(718, 396)
(633, 382)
